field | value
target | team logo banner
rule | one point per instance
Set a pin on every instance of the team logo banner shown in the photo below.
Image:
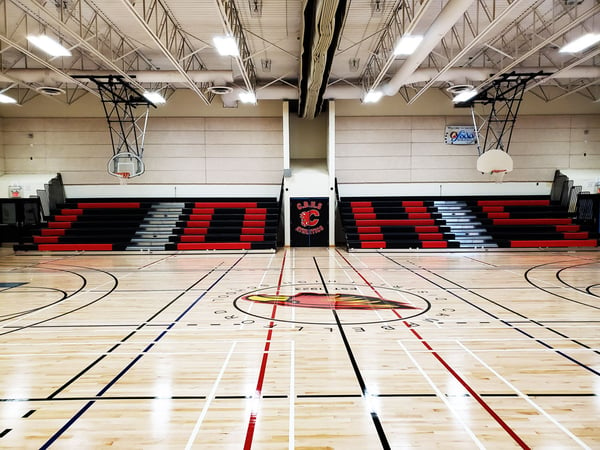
(460, 135)
(309, 222)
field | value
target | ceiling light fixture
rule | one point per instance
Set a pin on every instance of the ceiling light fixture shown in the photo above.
(48, 45)
(154, 97)
(372, 97)
(581, 43)
(6, 99)
(226, 45)
(407, 45)
(247, 97)
(465, 95)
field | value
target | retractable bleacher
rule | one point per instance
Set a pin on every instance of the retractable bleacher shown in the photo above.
(160, 224)
(466, 222)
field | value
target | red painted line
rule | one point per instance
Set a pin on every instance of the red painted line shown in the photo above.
(471, 391)
(263, 365)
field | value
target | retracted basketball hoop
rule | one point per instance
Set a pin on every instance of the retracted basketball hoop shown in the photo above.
(496, 163)
(125, 165)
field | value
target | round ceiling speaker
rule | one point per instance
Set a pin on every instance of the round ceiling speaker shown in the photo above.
(220, 90)
(49, 90)
(458, 88)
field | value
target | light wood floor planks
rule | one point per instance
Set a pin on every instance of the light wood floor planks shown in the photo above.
(304, 348)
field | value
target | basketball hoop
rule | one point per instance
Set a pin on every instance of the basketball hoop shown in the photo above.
(498, 175)
(495, 162)
(123, 177)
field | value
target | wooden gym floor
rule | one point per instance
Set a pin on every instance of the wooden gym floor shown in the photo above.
(303, 348)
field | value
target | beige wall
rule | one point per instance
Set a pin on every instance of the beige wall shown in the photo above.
(177, 150)
(308, 138)
(399, 149)
(189, 142)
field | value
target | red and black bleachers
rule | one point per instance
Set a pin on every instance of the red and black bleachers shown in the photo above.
(105, 225)
(89, 225)
(523, 223)
(227, 225)
(512, 222)
(380, 223)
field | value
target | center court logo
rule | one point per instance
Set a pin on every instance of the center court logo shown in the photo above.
(327, 301)
(310, 304)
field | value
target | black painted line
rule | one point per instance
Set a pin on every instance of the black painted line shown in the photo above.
(496, 317)
(586, 291)
(5, 432)
(365, 393)
(79, 413)
(10, 316)
(548, 291)
(67, 425)
(116, 283)
(139, 327)
(28, 413)
(129, 398)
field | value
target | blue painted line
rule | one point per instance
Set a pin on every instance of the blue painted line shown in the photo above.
(67, 425)
(79, 413)
(548, 346)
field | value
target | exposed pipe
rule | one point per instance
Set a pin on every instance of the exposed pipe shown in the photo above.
(446, 19)
(454, 75)
(218, 77)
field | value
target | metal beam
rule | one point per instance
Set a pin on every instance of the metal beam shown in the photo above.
(175, 41)
(233, 27)
(484, 34)
(402, 21)
(549, 40)
(96, 29)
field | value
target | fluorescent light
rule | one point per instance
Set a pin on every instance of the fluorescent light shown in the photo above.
(226, 45)
(464, 96)
(247, 97)
(154, 97)
(48, 45)
(372, 97)
(6, 99)
(407, 45)
(581, 43)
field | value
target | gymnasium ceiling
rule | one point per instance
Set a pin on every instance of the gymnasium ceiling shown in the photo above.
(307, 50)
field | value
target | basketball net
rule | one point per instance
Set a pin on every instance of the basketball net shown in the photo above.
(123, 177)
(498, 175)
